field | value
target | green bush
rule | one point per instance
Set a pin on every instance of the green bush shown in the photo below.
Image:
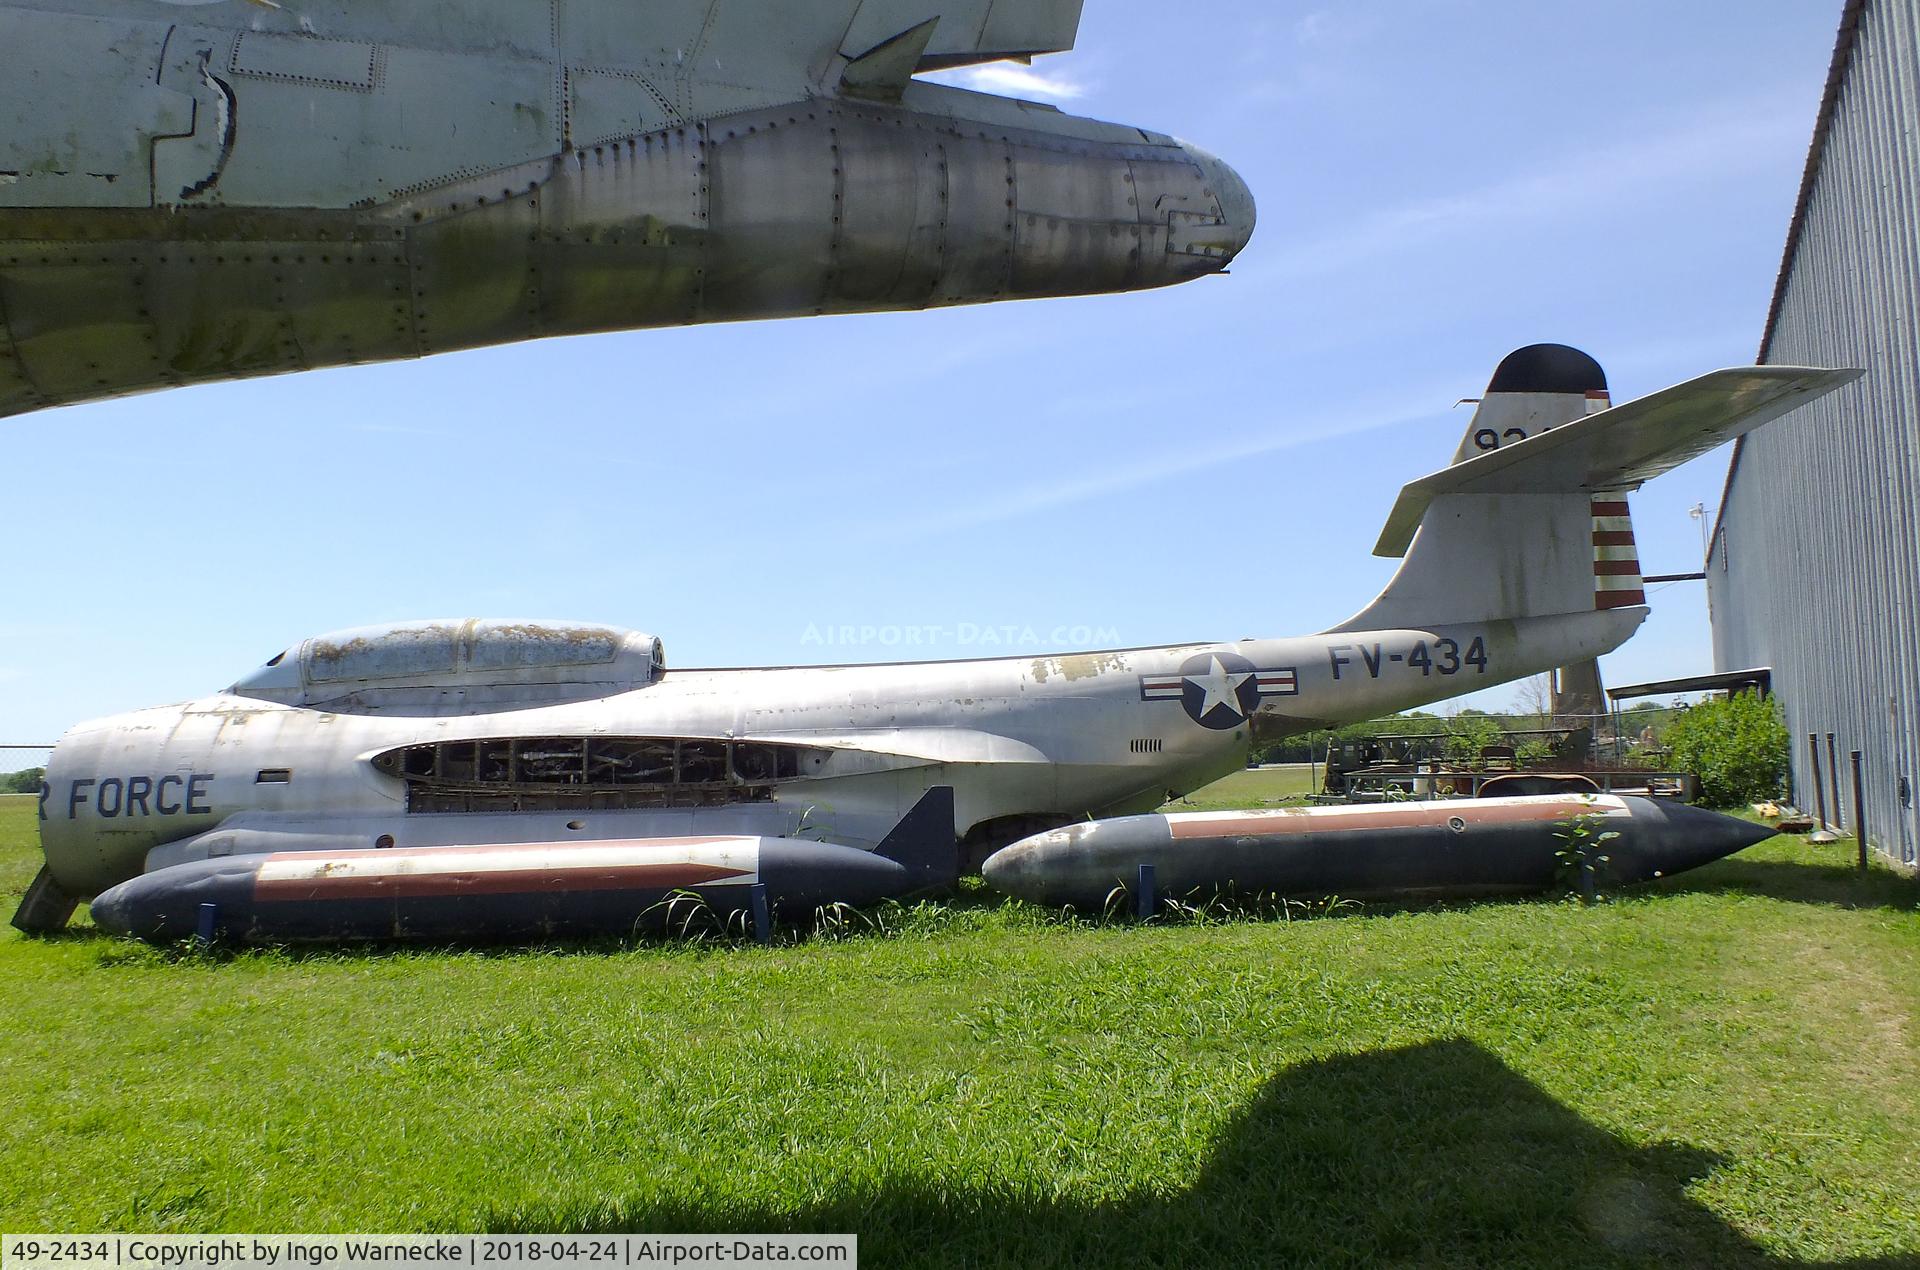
(1738, 747)
(1471, 732)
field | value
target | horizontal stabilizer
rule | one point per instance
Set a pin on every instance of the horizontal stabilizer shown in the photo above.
(1621, 448)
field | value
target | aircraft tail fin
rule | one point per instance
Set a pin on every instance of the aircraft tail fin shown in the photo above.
(923, 841)
(1531, 517)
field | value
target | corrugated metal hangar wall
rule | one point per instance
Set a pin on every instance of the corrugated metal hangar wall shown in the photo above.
(1815, 566)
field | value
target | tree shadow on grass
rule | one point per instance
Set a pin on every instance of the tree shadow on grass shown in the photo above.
(1432, 1155)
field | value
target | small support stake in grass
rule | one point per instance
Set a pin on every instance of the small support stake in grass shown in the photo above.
(209, 918)
(762, 917)
(1859, 811)
(1819, 788)
(1833, 780)
(1143, 893)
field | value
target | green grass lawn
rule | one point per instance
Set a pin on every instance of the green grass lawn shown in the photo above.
(1254, 787)
(1716, 1071)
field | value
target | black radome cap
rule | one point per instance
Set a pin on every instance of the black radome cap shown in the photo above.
(1548, 368)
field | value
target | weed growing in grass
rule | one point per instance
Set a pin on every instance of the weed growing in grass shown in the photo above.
(1215, 909)
(164, 1206)
(690, 917)
(1581, 856)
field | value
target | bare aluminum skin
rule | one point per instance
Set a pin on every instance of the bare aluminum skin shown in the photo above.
(198, 192)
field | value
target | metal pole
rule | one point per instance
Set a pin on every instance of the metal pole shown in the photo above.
(762, 913)
(1833, 779)
(1859, 810)
(1819, 790)
(1143, 893)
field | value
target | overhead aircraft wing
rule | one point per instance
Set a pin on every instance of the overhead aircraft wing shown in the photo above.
(1622, 448)
(969, 31)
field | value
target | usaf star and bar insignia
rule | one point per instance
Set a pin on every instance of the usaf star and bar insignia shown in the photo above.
(1220, 690)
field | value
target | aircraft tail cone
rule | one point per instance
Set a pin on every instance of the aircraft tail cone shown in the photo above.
(1227, 236)
(1671, 837)
(801, 876)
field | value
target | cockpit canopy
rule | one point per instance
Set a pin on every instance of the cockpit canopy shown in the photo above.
(455, 666)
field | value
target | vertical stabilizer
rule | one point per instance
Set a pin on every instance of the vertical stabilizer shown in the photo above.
(1530, 552)
(1533, 390)
(923, 841)
(1530, 519)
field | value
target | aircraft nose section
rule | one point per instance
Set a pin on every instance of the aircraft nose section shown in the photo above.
(1008, 869)
(113, 910)
(1030, 869)
(1237, 214)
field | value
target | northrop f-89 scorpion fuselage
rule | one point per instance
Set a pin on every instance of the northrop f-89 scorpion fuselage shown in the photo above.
(475, 754)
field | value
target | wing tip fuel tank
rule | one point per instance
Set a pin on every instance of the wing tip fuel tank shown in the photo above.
(506, 891)
(1454, 847)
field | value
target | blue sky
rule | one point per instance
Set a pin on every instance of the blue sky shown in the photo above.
(1438, 184)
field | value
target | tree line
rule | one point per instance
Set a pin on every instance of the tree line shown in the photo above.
(1471, 725)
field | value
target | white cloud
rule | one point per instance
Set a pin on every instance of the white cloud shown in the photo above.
(1010, 80)
(1312, 27)
(1735, 138)
(397, 430)
(1330, 26)
(1154, 469)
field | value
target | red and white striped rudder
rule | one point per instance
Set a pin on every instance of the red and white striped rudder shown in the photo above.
(1616, 561)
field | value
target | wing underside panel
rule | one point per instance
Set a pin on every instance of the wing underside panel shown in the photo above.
(970, 31)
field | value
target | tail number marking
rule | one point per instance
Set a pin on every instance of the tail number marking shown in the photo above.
(1441, 656)
(1488, 439)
